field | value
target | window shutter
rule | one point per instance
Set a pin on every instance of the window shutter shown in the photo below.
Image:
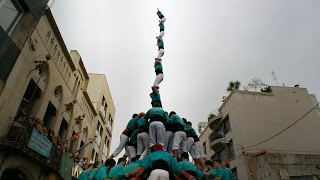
(9, 53)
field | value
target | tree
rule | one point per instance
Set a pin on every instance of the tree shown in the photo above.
(233, 85)
(201, 126)
(256, 85)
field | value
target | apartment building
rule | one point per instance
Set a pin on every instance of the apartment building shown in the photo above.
(267, 135)
(100, 95)
(48, 119)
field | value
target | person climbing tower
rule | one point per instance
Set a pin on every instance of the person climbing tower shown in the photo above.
(161, 25)
(159, 74)
(161, 16)
(160, 45)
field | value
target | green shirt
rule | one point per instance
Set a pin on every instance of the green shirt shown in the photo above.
(157, 65)
(155, 96)
(177, 119)
(213, 173)
(115, 170)
(161, 25)
(142, 122)
(133, 136)
(84, 175)
(154, 111)
(93, 173)
(133, 124)
(102, 172)
(226, 174)
(160, 44)
(161, 155)
(188, 166)
(191, 132)
(160, 15)
(128, 168)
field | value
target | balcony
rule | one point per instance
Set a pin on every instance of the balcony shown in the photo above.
(102, 114)
(109, 128)
(214, 119)
(216, 140)
(25, 136)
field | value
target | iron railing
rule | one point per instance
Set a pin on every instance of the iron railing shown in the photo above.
(18, 135)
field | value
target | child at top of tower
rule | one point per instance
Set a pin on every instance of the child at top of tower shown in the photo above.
(161, 17)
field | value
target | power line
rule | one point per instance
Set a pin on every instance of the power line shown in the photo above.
(277, 134)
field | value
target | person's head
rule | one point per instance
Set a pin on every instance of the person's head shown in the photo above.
(122, 161)
(156, 104)
(133, 159)
(208, 164)
(141, 114)
(226, 164)
(171, 113)
(185, 156)
(134, 115)
(96, 164)
(110, 163)
(90, 167)
(216, 163)
(157, 147)
(184, 120)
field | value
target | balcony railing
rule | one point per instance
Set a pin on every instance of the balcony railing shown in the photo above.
(216, 140)
(214, 119)
(102, 113)
(25, 137)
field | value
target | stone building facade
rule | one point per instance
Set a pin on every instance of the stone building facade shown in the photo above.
(48, 115)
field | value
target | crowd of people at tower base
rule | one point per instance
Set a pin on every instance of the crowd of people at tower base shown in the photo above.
(157, 146)
(157, 170)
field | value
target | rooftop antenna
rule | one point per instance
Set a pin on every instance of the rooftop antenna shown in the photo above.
(274, 77)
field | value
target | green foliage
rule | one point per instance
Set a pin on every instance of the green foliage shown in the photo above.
(233, 85)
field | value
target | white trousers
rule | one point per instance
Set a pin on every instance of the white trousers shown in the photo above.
(158, 79)
(131, 151)
(161, 35)
(159, 174)
(142, 144)
(160, 53)
(123, 142)
(169, 140)
(179, 141)
(157, 133)
(163, 20)
(189, 143)
(196, 151)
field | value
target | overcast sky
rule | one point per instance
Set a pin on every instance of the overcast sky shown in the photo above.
(207, 44)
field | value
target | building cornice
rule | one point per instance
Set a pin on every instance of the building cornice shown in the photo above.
(56, 31)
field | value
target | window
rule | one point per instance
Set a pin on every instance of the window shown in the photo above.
(227, 152)
(204, 148)
(10, 11)
(226, 125)
(49, 115)
(110, 120)
(230, 149)
(106, 146)
(75, 85)
(30, 98)
(63, 129)
(103, 109)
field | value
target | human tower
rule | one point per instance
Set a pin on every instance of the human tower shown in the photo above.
(156, 140)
